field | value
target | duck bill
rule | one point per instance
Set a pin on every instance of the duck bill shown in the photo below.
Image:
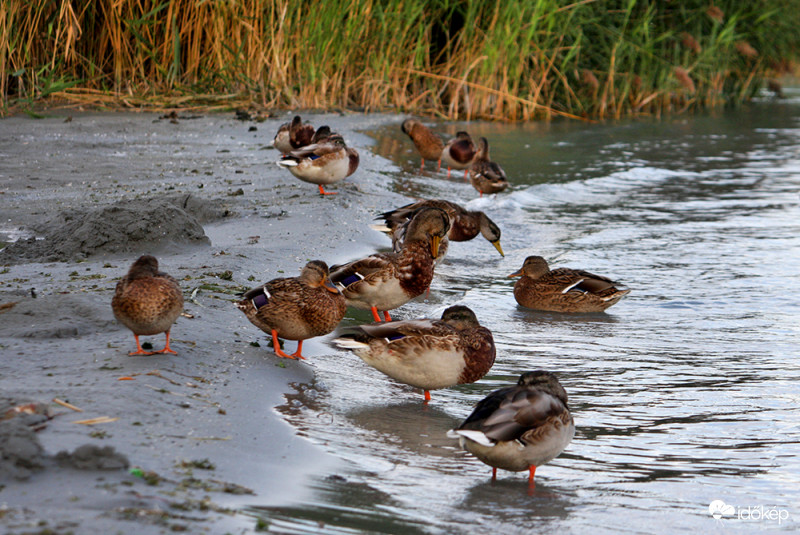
(499, 249)
(516, 274)
(435, 242)
(330, 286)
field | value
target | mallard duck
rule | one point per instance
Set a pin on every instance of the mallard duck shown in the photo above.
(295, 308)
(147, 301)
(281, 139)
(428, 144)
(385, 281)
(426, 353)
(519, 427)
(325, 162)
(294, 135)
(563, 289)
(485, 175)
(464, 224)
(458, 153)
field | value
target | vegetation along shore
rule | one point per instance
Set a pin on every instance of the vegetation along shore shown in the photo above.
(451, 59)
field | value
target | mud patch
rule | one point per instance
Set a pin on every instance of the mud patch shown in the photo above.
(57, 316)
(21, 454)
(130, 226)
(92, 457)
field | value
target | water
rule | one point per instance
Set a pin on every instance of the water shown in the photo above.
(683, 393)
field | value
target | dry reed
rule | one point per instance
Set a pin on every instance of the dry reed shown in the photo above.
(450, 58)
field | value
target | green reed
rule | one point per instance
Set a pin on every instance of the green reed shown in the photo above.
(468, 59)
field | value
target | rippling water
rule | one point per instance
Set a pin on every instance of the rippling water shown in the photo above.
(685, 392)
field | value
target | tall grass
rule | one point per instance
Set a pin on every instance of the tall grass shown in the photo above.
(451, 58)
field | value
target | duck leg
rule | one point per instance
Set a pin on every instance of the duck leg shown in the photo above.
(323, 192)
(427, 396)
(277, 346)
(532, 472)
(297, 354)
(139, 350)
(439, 166)
(386, 316)
(375, 314)
(494, 473)
(166, 348)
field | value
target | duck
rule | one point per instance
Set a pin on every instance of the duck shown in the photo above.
(147, 301)
(295, 308)
(426, 353)
(564, 289)
(327, 161)
(459, 152)
(385, 281)
(428, 144)
(294, 135)
(520, 427)
(281, 139)
(464, 224)
(485, 175)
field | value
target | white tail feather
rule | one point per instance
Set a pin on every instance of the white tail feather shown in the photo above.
(349, 343)
(287, 163)
(475, 436)
(381, 228)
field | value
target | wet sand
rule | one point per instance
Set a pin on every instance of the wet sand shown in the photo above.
(190, 438)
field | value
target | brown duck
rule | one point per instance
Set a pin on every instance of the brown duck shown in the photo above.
(519, 427)
(385, 281)
(426, 353)
(326, 161)
(147, 301)
(564, 289)
(464, 224)
(294, 135)
(428, 144)
(485, 175)
(459, 153)
(295, 308)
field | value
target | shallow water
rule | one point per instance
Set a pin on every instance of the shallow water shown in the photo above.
(683, 393)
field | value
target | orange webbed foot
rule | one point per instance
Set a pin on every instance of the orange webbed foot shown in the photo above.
(277, 347)
(139, 350)
(323, 192)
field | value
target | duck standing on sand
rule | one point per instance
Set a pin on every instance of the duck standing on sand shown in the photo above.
(425, 353)
(295, 308)
(564, 289)
(459, 153)
(519, 427)
(385, 281)
(325, 162)
(485, 175)
(292, 136)
(428, 144)
(464, 224)
(147, 301)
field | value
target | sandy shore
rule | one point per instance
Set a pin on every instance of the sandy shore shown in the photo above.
(187, 438)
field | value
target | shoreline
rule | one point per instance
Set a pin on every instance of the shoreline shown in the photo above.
(213, 403)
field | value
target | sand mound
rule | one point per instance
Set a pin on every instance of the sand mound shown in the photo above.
(130, 226)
